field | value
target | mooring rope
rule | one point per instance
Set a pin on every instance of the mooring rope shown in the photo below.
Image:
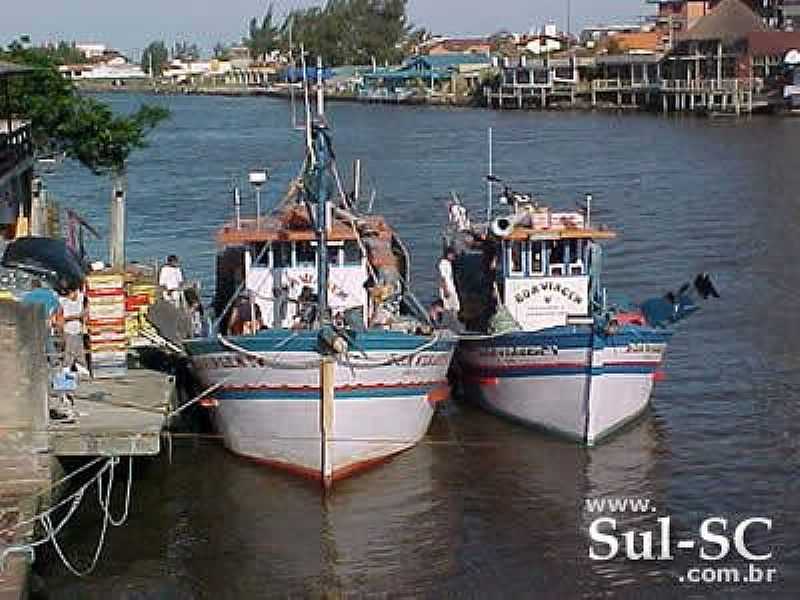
(45, 518)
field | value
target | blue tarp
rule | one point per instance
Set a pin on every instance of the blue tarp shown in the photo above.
(295, 75)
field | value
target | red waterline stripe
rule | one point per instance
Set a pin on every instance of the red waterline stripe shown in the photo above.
(316, 474)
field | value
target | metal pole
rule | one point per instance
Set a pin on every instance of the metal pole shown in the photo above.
(320, 90)
(356, 181)
(237, 207)
(490, 187)
(258, 207)
(117, 238)
(7, 94)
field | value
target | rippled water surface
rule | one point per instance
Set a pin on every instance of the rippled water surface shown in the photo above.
(484, 508)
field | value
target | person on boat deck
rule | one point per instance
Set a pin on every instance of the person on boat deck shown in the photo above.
(458, 216)
(196, 312)
(245, 317)
(447, 286)
(170, 280)
(72, 313)
(306, 309)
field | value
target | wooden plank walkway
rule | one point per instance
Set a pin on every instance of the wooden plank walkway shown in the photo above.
(120, 417)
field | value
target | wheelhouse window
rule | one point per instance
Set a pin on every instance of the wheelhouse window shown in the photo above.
(556, 258)
(577, 264)
(515, 257)
(305, 255)
(333, 254)
(536, 253)
(281, 255)
(352, 254)
(260, 254)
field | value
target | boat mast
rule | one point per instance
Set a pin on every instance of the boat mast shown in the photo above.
(490, 187)
(292, 101)
(321, 157)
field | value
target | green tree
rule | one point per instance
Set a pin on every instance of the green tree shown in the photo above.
(221, 51)
(185, 51)
(264, 38)
(352, 31)
(82, 127)
(158, 54)
(65, 53)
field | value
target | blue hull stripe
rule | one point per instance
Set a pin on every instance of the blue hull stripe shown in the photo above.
(279, 340)
(562, 372)
(305, 395)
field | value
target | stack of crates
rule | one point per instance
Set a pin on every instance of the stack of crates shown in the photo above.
(140, 297)
(108, 344)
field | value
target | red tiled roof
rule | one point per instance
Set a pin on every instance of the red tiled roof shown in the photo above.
(773, 43)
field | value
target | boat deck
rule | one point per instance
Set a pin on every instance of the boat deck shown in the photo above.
(121, 417)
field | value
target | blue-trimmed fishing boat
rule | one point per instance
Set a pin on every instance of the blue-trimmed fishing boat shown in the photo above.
(549, 349)
(323, 363)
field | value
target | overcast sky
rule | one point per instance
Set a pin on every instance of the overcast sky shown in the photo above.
(132, 24)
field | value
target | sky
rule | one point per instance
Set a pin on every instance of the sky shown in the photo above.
(131, 24)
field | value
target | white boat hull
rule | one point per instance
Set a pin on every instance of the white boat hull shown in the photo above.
(274, 415)
(583, 393)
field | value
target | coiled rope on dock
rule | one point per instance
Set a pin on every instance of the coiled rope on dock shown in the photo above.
(73, 501)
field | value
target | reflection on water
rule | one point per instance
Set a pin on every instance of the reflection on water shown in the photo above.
(484, 507)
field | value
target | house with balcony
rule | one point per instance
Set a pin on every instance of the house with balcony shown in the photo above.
(16, 161)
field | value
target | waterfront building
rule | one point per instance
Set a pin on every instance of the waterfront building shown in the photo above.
(455, 74)
(16, 162)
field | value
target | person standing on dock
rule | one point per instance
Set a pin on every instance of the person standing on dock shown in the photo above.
(170, 279)
(447, 286)
(44, 296)
(72, 313)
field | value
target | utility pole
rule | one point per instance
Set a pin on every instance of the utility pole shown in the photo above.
(569, 18)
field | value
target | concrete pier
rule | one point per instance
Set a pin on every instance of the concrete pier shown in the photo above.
(116, 417)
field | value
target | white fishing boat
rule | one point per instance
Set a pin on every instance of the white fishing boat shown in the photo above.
(336, 366)
(548, 348)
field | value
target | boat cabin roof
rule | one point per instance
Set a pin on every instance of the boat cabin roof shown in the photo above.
(531, 233)
(292, 223)
(541, 223)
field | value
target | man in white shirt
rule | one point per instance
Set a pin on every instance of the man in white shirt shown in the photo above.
(171, 280)
(447, 286)
(72, 307)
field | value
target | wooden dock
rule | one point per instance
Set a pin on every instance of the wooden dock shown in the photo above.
(116, 417)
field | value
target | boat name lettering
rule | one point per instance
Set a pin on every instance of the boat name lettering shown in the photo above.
(547, 286)
(424, 360)
(523, 351)
(232, 361)
(643, 348)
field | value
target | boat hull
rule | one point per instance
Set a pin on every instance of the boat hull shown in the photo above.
(269, 410)
(567, 380)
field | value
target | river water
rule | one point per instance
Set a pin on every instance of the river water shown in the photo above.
(485, 508)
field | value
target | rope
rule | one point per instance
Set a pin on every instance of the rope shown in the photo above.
(296, 366)
(74, 500)
(198, 398)
(394, 359)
